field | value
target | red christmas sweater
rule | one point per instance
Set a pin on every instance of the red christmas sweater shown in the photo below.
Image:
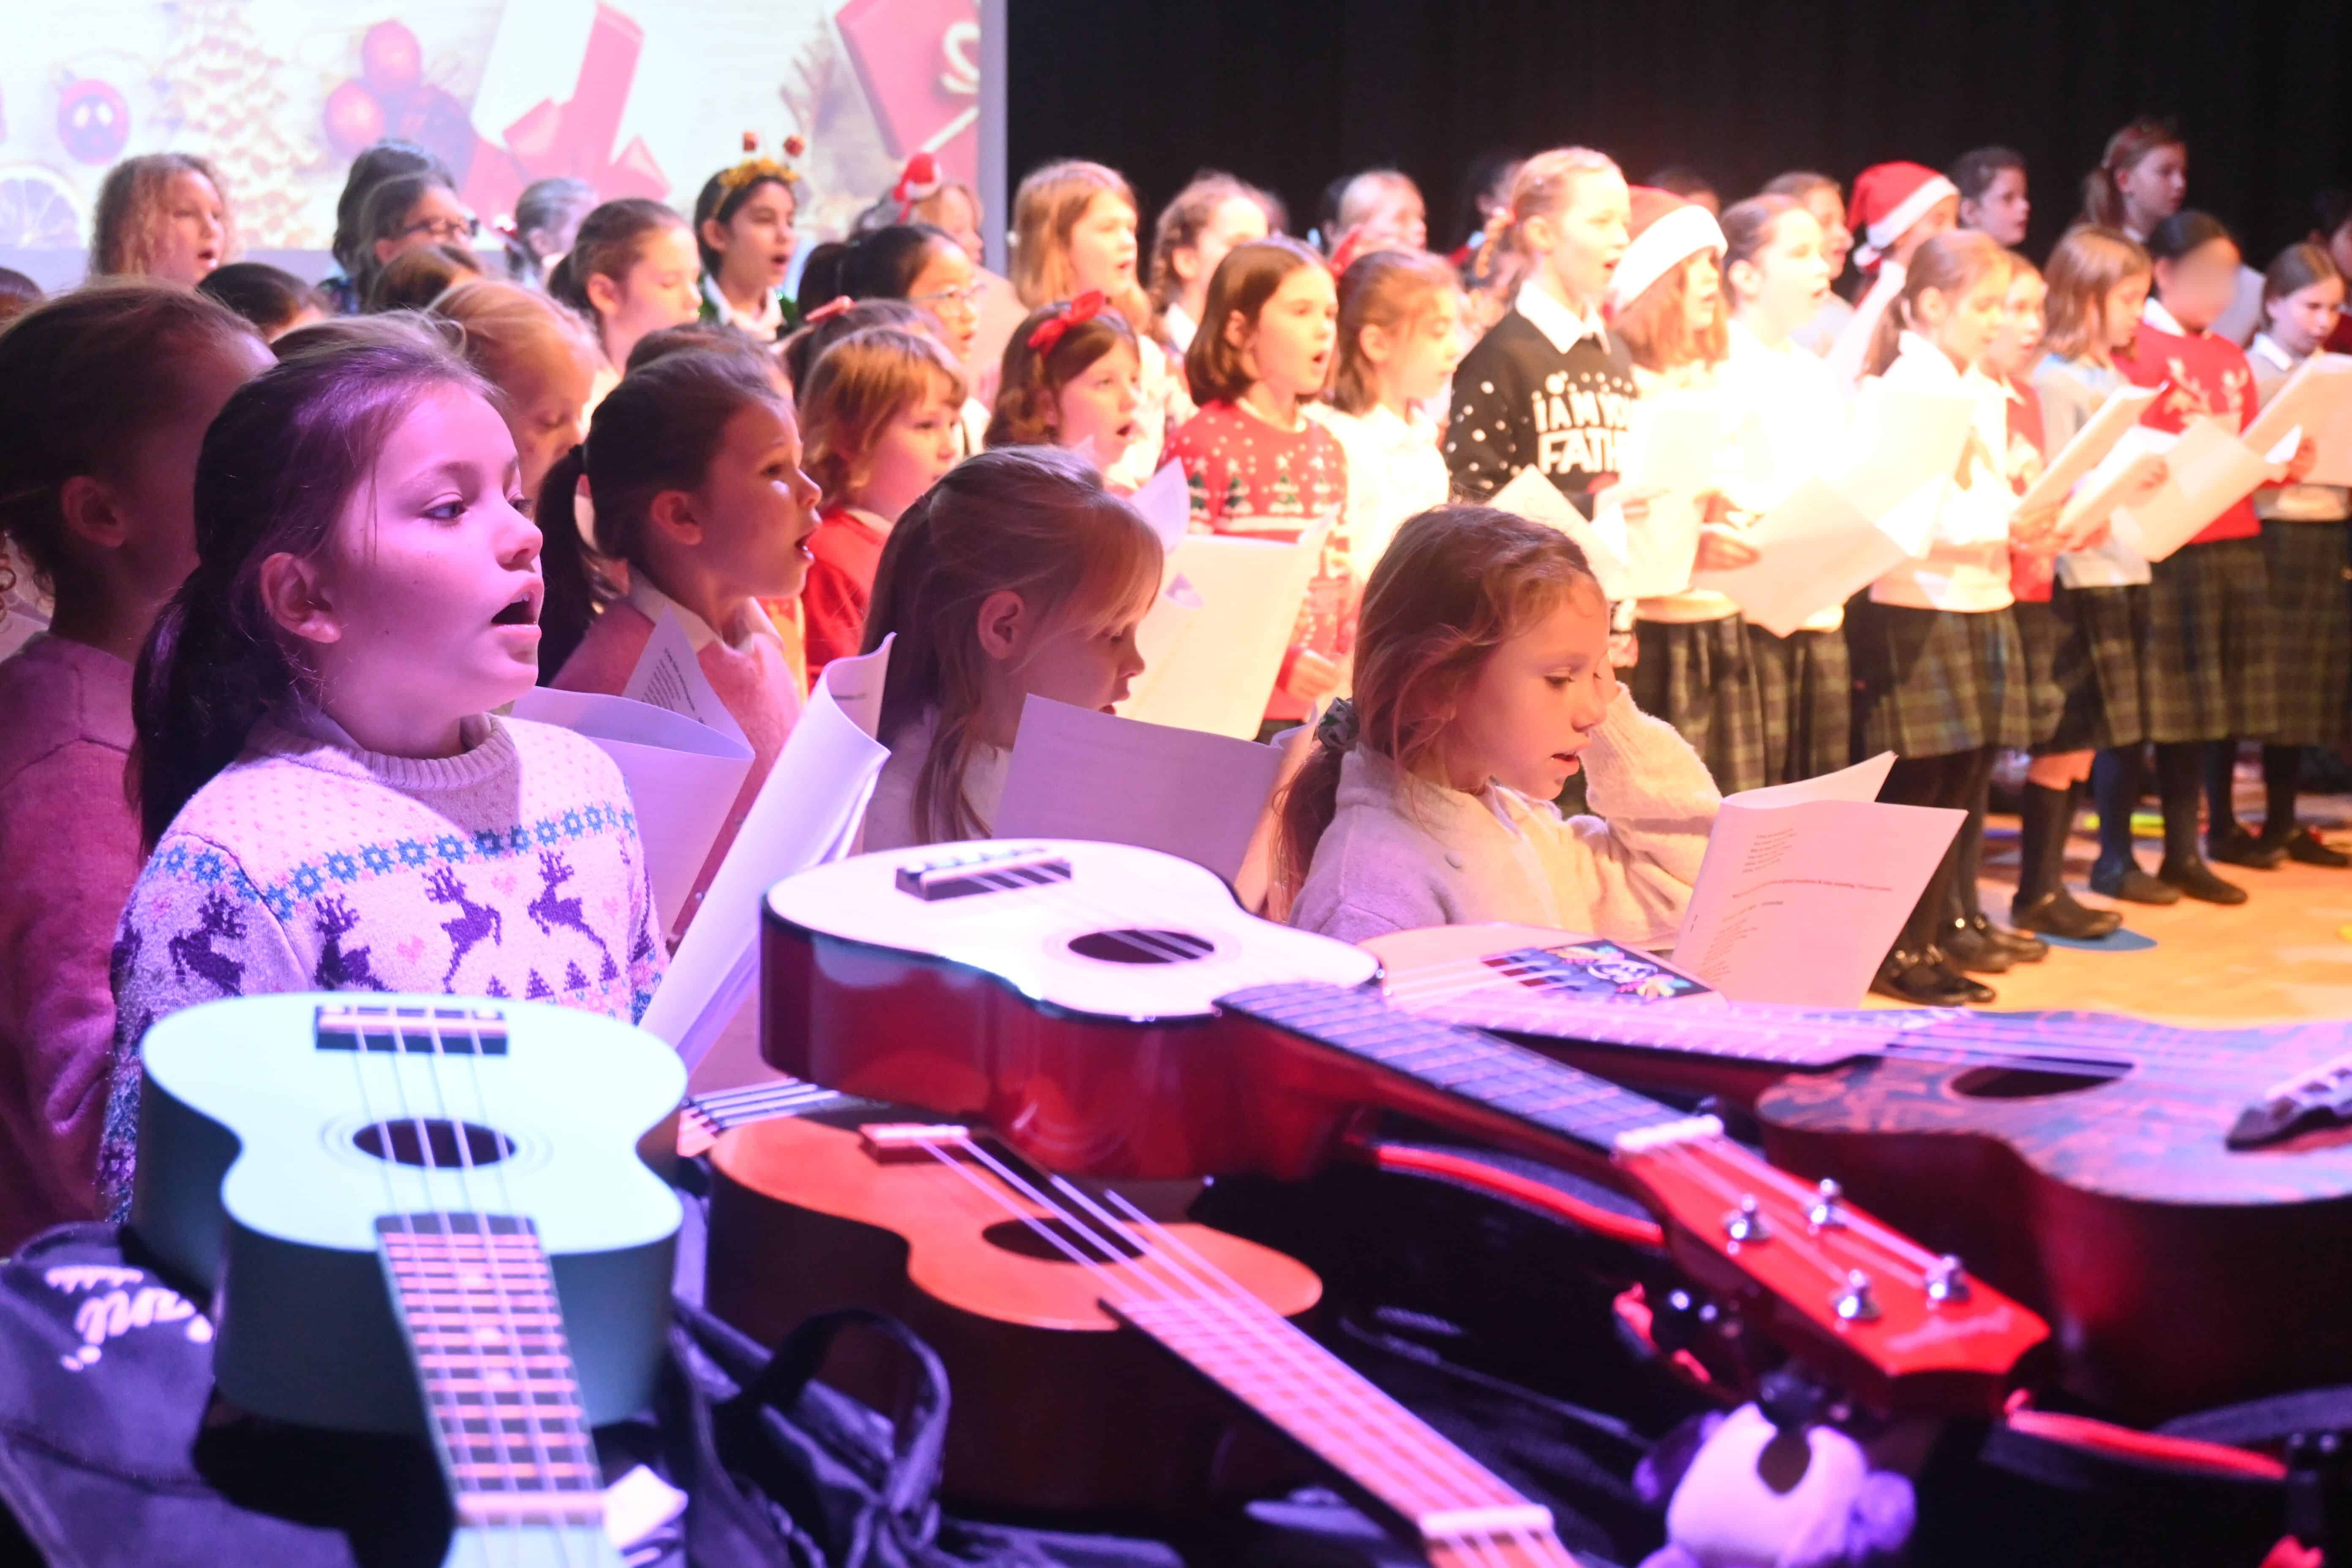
(846, 547)
(1250, 479)
(2029, 574)
(2206, 377)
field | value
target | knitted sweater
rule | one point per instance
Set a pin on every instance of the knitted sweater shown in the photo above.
(1544, 389)
(69, 854)
(510, 870)
(748, 673)
(1402, 853)
(2204, 376)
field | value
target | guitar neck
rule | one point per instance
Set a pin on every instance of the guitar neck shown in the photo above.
(1466, 1068)
(477, 1303)
(1459, 1511)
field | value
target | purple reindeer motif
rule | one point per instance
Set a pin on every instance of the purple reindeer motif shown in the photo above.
(338, 969)
(193, 950)
(473, 924)
(548, 911)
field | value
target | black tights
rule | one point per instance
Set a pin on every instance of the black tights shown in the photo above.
(2281, 778)
(1956, 780)
(2185, 770)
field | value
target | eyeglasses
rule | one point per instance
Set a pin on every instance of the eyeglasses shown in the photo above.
(968, 297)
(444, 230)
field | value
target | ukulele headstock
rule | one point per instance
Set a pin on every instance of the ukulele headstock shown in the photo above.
(1906, 1329)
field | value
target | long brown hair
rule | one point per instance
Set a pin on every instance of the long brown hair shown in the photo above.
(1456, 583)
(610, 240)
(279, 466)
(1656, 323)
(127, 226)
(1951, 264)
(2084, 270)
(2103, 196)
(1031, 381)
(1033, 521)
(1245, 280)
(1390, 290)
(2295, 268)
(1182, 220)
(1045, 208)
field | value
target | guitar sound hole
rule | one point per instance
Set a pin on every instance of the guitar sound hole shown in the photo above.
(433, 1143)
(2026, 1083)
(1017, 1237)
(1137, 946)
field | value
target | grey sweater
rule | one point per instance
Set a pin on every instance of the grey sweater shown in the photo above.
(1403, 853)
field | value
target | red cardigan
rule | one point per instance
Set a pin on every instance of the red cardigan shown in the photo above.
(840, 585)
(2208, 377)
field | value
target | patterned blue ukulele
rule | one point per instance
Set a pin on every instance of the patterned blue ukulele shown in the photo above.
(426, 1215)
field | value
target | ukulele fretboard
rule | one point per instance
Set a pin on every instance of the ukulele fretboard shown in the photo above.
(477, 1301)
(1476, 1066)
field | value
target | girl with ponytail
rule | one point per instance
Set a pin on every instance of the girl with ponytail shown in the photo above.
(331, 802)
(104, 396)
(693, 464)
(1482, 684)
(1018, 573)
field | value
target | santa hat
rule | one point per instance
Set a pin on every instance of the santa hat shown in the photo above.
(917, 182)
(1888, 198)
(1667, 231)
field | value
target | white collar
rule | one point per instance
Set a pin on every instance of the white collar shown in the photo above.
(764, 324)
(1744, 341)
(2164, 320)
(1912, 346)
(651, 603)
(1564, 327)
(1180, 326)
(298, 715)
(2265, 346)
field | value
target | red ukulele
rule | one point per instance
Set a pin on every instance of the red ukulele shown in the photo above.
(1112, 1012)
(1098, 1356)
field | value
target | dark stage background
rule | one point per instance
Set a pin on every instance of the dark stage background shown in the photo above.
(1290, 94)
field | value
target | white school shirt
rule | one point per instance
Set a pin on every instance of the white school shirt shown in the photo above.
(1784, 421)
(653, 603)
(1394, 471)
(1851, 352)
(1966, 565)
(1817, 336)
(2290, 503)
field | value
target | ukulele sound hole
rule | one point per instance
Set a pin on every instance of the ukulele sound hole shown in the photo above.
(1138, 946)
(434, 1143)
(2026, 1083)
(1095, 1243)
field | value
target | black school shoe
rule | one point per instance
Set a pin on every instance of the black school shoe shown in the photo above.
(2124, 879)
(1927, 980)
(2196, 880)
(2022, 947)
(2305, 849)
(2242, 848)
(2059, 914)
(1975, 951)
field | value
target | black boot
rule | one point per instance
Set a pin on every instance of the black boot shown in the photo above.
(2282, 780)
(2116, 874)
(2045, 819)
(2225, 840)
(2179, 767)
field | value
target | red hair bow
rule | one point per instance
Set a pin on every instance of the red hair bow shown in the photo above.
(828, 310)
(917, 182)
(1344, 253)
(1083, 309)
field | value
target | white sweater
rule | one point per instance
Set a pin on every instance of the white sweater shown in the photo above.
(1966, 565)
(891, 815)
(1402, 853)
(1394, 471)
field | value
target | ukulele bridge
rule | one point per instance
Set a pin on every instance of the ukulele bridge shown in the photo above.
(2319, 1097)
(992, 872)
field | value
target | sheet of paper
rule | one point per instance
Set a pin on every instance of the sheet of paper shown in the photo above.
(806, 813)
(2207, 470)
(2119, 414)
(1535, 498)
(1902, 439)
(669, 676)
(1212, 654)
(1799, 899)
(2317, 398)
(2137, 454)
(683, 778)
(1077, 773)
(1166, 504)
(1814, 550)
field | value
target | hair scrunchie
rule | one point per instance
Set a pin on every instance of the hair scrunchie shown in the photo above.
(1337, 731)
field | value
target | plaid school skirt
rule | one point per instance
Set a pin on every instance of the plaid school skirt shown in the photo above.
(1927, 683)
(2209, 647)
(1806, 683)
(2081, 654)
(1698, 676)
(2311, 618)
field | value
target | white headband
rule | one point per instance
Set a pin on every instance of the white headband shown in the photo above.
(1906, 212)
(1661, 247)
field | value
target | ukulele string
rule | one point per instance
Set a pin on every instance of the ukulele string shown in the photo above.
(729, 1108)
(465, 1171)
(1096, 1267)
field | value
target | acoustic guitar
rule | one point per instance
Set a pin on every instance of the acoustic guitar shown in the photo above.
(1111, 1011)
(423, 1215)
(1099, 1356)
(2175, 1200)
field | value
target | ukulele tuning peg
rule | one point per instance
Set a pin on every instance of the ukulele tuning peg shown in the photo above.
(1947, 1281)
(1745, 1223)
(1824, 1214)
(1855, 1303)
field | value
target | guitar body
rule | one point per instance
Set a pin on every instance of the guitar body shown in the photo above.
(1057, 1406)
(253, 1183)
(2178, 1272)
(1117, 1067)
